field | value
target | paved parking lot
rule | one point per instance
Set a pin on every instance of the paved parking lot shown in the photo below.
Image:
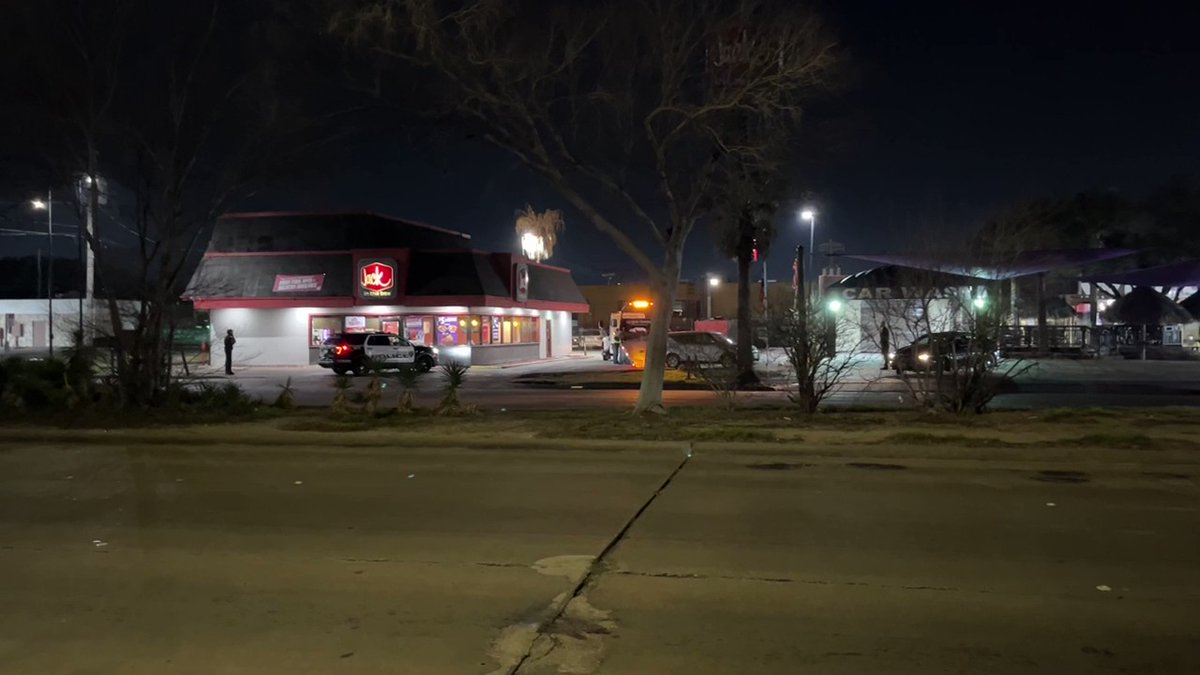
(1048, 383)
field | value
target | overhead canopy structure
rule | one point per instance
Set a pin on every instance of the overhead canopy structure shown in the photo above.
(898, 277)
(1192, 304)
(1020, 264)
(1175, 275)
(1147, 307)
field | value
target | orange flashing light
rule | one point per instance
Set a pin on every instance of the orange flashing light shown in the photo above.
(640, 304)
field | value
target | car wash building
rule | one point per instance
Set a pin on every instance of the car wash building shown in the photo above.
(287, 282)
(908, 301)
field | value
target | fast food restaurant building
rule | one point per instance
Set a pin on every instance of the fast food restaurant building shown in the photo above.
(287, 282)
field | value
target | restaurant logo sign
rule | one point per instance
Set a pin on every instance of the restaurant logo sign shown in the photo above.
(298, 283)
(521, 282)
(377, 278)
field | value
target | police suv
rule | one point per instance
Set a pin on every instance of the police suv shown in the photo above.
(357, 352)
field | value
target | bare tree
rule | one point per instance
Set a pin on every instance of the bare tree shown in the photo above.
(636, 112)
(809, 342)
(178, 107)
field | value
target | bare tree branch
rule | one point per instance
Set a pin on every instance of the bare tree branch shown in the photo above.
(636, 111)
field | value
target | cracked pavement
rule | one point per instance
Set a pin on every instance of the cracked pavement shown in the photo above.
(328, 559)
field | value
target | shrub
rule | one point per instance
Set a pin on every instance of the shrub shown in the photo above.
(408, 379)
(723, 382)
(224, 397)
(373, 395)
(454, 375)
(33, 384)
(341, 397)
(286, 400)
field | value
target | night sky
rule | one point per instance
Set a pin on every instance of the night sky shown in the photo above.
(956, 110)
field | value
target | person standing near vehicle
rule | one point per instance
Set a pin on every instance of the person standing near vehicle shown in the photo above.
(230, 341)
(885, 339)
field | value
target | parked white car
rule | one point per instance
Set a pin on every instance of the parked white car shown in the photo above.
(700, 347)
(588, 339)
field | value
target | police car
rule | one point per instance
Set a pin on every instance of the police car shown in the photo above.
(356, 352)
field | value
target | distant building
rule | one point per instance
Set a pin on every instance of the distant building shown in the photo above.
(691, 300)
(909, 302)
(287, 282)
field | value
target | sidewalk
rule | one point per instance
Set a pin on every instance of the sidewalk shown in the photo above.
(258, 372)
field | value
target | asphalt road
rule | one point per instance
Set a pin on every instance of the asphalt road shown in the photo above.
(226, 559)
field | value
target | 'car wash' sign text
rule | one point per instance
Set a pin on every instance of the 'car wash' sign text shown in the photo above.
(896, 293)
(377, 279)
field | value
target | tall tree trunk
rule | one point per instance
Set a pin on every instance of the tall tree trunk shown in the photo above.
(803, 363)
(745, 358)
(650, 393)
(1042, 332)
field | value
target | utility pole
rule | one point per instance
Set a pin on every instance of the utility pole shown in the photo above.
(89, 281)
(798, 279)
(81, 258)
(50, 273)
(38, 205)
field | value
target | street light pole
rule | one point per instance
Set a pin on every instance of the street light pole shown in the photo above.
(713, 282)
(49, 206)
(50, 285)
(89, 263)
(79, 231)
(810, 215)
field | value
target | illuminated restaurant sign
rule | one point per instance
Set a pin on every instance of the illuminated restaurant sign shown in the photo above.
(377, 278)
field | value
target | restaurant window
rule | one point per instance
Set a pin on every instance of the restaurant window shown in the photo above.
(517, 329)
(324, 328)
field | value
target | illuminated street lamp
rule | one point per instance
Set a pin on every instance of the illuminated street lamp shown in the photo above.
(713, 282)
(809, 215)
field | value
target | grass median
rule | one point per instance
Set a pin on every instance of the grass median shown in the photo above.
(1158, 430)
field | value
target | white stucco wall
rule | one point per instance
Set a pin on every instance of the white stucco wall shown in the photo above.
(265, 337)
(31, 314)
(279, 337)
(560, 334)
(858, 328)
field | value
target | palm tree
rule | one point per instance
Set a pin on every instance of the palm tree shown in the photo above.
(745, 226)
(540, 229)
